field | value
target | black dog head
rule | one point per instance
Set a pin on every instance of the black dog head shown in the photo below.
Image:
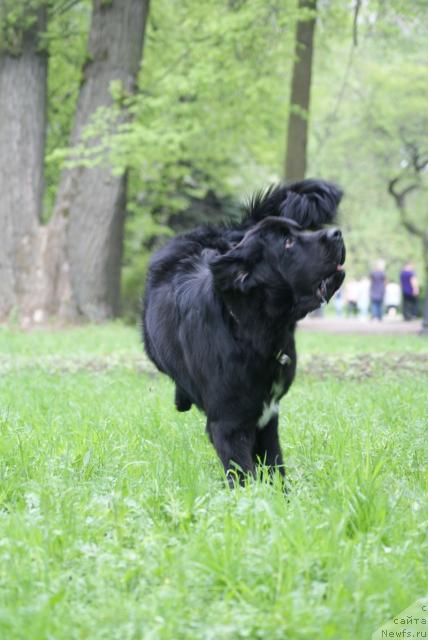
(291, 270)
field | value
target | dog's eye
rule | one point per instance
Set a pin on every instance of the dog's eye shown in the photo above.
(289, 243)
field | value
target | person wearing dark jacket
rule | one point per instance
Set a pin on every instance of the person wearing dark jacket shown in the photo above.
(410, 291)
(377, 289)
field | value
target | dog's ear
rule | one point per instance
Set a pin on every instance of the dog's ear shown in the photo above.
(234, 271)
(237, 269)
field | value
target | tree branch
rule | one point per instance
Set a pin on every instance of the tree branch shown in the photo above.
(331, 118)
(400, 201)
(355, 23)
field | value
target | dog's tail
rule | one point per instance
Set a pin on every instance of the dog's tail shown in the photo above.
(310, 203)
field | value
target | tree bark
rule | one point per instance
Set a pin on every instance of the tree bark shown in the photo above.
(424, 330)
(89, 213)
(72, 265)
(22, 132)
(297, 133)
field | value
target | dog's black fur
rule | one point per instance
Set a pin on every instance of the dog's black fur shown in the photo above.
(220, 310)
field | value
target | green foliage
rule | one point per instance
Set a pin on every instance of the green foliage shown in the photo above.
(66, 38)
(20, 19)
(17, 19)
(140, 227)
(208, 71)
(199, 116)
(198, 125)
(369, 102)
(208, 120)
(115, 520)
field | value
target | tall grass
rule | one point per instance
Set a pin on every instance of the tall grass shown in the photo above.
(115, 521)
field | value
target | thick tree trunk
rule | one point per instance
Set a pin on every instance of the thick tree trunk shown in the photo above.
(424, 330)
(297, 133)
(88, 218)
(22, 132)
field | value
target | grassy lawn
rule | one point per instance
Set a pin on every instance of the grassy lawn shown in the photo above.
(115, 522)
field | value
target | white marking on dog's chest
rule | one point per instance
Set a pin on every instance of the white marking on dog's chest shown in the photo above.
(270, 409)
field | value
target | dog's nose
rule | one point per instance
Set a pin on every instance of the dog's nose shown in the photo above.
(334, 234)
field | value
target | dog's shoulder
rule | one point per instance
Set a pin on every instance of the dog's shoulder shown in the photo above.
(187, 250)
(180, 270)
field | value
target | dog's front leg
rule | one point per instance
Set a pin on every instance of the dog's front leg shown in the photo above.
(234, 446)
(267, 449)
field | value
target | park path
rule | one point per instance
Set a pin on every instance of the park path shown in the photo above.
(388, 326)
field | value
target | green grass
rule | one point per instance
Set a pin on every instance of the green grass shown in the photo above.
(115, 522)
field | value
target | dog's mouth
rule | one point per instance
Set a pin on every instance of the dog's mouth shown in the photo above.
(321, 292)
(328, 286)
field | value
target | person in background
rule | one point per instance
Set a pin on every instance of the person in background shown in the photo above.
(392, 298)
(364, 298)
(410, 291)
(338, 302)
(351, 295)
(377, 289)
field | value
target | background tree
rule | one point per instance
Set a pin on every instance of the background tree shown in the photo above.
(204, 129)
(206, 126)
(207, 121)
(298, 118)
(23, 69)
(383, 105)
(91, 201)
(401, 187)
(71, 265)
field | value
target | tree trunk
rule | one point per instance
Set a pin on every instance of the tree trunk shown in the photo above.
(72, 265)
(424, 330)
(22, 133)
(89, 213)
(297, 134)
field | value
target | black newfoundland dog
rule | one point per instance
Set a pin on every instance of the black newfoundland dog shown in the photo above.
(220, 311)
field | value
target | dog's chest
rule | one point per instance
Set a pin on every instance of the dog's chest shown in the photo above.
(278, 381)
